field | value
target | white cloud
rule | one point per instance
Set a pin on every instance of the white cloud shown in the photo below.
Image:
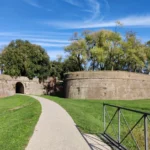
(87, 10)
(44, 39)
(53, 54)
(95, 9)
(8, 33)
(73, 2)
(127, 21)
(49, 40)
(136, 20)
(45, 35)
(4, 44)
(33, 3)
(43, 44)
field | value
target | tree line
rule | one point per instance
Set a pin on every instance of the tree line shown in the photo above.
(101, 50)
(108, 50)
(21, 58)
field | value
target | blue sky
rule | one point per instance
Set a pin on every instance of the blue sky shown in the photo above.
(51, 23)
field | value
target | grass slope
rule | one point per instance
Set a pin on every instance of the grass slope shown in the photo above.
(88, 115)
(18, 117)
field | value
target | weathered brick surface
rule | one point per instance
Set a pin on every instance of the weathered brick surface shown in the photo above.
(8, 85)
(107, 85)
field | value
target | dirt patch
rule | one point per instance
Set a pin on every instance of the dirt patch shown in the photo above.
(19, 107)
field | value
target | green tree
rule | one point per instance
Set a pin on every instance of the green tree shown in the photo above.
(107, 50)
(98, 58)
(77, 53)
(57, 69)
(1, 65)
(147, 50)
(69, 65)
(112, 47)
(134, 53)
(147, 53)
(107, 44)
(21, 58)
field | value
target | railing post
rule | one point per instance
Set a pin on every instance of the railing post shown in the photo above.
(146, 132)
(104, 115)
(119, 126)
(119, 141)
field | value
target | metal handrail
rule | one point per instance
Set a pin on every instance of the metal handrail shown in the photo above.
(112, 124)
(118, 143)
(129, 109)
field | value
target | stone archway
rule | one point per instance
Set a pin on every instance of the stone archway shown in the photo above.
(19, 88)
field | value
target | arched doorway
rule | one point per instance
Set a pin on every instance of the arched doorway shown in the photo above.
(19, 88)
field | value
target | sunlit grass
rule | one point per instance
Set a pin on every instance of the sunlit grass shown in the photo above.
(88, 115)
(18, 117)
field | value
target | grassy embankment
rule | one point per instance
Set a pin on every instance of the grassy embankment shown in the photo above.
(88, 115)
(18, 117)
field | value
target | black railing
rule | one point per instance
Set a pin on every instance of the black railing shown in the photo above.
(118, 141)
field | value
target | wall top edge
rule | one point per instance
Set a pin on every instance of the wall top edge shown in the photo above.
(7, 77)
(107, 74)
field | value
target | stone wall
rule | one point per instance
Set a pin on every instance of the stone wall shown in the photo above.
(111, 85)
(8, 86)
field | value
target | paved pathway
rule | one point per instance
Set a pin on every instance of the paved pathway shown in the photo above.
(56, 130)
(96, 143)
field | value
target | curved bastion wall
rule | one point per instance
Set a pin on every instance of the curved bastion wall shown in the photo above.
(8, 85)
(107, 85)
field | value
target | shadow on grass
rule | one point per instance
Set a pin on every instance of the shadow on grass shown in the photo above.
(57, 94)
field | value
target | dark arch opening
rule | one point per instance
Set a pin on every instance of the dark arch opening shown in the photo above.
(19, 88)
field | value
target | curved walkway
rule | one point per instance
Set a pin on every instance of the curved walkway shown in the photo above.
(55, 130)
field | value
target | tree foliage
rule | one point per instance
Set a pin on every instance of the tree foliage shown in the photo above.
(56, 69)
(101, 50)
(59, 68)
(21, 58)
(77, 53)
(134, 54)
(108, 50)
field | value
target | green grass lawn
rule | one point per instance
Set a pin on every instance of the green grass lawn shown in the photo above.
(18, 117)
(88, 115)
